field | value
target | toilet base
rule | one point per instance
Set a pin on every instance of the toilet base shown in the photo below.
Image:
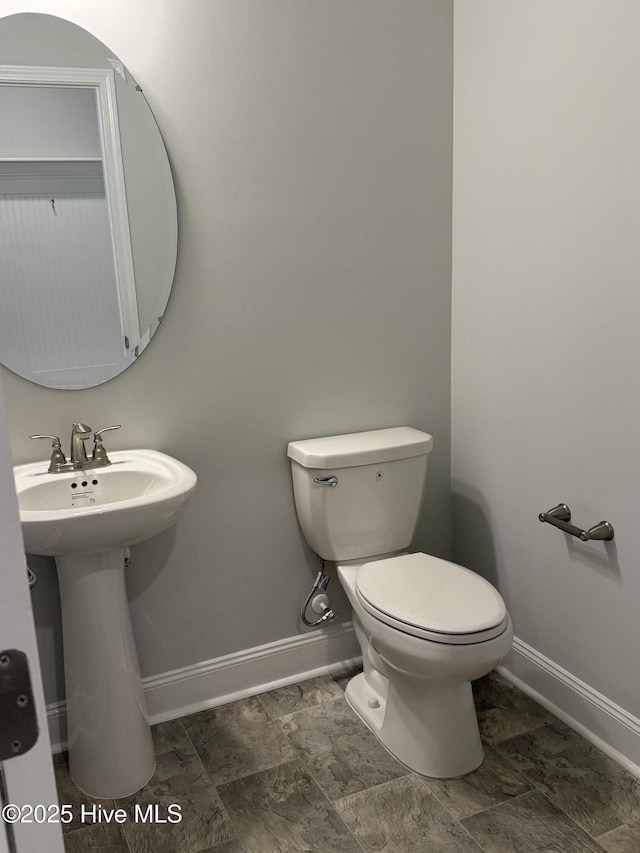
(431, 728)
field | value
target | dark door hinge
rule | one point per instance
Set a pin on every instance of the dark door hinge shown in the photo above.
(18, 720)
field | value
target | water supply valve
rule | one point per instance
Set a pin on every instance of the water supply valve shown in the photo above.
(320, 602)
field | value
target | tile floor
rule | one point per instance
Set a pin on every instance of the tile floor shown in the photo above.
(294, 770)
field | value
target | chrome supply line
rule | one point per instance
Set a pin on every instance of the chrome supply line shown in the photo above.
(320, 602)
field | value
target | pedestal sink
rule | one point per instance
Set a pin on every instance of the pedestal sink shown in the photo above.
(85, 519)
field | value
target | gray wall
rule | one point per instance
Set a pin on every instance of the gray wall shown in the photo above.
(311, 145)
(545, 305)
(39, 122)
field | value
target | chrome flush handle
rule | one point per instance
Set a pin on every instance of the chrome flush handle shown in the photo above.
(326, 481)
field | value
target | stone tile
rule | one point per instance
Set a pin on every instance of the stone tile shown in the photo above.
(238, 739)
(168, 736)
(282, 810)
(528, 824)
(504, 711)
(297, 697)
(402, 816)
(625, 839)
(339, 750)
(495, 781)
(235, 846)
(69, 794)
(179, 780)
(282, 807)
(101, 838)
(591, 788)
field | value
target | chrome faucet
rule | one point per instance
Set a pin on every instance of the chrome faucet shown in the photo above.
(79, 434)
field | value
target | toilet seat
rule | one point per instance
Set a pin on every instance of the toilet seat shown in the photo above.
(431, 598)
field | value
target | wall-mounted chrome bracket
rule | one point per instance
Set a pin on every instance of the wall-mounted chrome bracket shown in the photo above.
(560, 516)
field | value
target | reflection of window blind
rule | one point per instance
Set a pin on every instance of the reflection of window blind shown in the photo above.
(24, 177)
(59, 310)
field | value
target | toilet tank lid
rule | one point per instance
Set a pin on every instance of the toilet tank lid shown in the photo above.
(360, 448)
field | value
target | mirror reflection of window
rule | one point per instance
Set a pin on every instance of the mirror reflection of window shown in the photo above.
(55, 237)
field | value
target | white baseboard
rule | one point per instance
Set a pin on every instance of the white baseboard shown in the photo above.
(605, 724)
(57, 721)
(235, 676)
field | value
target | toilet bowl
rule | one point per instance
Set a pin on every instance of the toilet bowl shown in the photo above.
(415, 691)
(427, 627)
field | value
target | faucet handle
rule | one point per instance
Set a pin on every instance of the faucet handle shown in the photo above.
(57, 456)
(54, 438)
(99, 432)
(99, 454)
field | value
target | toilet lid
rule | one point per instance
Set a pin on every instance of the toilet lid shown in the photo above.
(430, 594)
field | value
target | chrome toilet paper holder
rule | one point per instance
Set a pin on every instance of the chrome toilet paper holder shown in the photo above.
(560, 516)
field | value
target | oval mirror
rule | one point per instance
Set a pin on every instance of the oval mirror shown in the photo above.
(88, 226)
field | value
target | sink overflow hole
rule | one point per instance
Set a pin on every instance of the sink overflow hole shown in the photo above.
(84, 483)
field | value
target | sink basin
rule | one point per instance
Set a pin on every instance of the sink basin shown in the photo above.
(86, 519)
(86, 512)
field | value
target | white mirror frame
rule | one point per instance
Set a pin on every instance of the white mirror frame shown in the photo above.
(102, 81)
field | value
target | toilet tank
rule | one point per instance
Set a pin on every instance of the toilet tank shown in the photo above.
(373, 507)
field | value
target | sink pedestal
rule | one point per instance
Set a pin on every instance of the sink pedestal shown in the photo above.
(110, 747)
(85, 519)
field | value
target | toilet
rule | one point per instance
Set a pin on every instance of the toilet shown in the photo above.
(427, 627)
